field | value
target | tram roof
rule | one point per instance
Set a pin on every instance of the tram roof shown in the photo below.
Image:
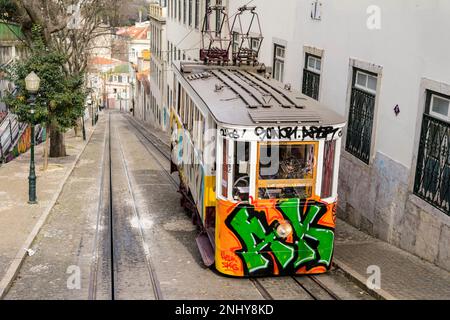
(243, 96)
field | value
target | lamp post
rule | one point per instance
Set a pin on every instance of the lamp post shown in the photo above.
(32, 83)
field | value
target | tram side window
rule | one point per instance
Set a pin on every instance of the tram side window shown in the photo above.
(182, 105)
(202, 132)
(241, 178)
(328, 169)
(287, 170)
(186, 110)
(191, 111)
(226, 169)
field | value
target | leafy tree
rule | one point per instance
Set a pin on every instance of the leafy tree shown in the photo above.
(68, 29)
(60, 100)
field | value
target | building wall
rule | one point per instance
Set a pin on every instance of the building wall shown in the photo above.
(118, 93)
(159, 64)
(409, 56)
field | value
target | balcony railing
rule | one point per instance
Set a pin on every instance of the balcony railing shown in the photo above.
(158, 12)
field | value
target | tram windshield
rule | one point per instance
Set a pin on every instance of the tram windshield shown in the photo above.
(286, 170)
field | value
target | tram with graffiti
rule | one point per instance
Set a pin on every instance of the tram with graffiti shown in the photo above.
(258, 165)
(258, 162)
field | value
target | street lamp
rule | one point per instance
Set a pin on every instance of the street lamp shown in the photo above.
(32, 83)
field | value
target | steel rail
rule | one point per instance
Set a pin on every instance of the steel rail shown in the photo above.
(150, 266)
(92, 295)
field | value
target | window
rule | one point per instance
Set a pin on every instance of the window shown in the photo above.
(235, 41)
(278, 62)
(311, 76)
(255, 44)
(197, 14)
(184, 11)
(175, 8)
(241, 171)
(328, 169)
(440, 107)
(432, 181)
(182, 106)
(191, 115)
(286, 170)
(218, 19)
(366, 82)
(206, 21)
(361, 115)
(226, 168)
(313, 63)
(190, 13)
(235, 180)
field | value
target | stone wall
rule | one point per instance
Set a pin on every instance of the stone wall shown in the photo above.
(378, 199)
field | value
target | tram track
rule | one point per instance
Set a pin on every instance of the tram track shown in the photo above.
(107, 212)
(325, 292)
(105, 165)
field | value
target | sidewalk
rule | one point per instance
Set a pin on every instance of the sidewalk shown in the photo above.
(21, 222)
(403, 275)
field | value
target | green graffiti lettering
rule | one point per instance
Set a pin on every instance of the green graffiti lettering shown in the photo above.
(255, 239)
(312, 244)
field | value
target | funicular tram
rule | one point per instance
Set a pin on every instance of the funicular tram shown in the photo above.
(258, 165)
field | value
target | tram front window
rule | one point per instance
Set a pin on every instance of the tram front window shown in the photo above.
(286, 170)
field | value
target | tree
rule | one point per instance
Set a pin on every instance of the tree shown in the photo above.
(67, 28)
(60, 100)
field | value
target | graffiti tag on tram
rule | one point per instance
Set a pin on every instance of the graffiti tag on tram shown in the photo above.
(311, 244)
(297, 133)
(285, 133)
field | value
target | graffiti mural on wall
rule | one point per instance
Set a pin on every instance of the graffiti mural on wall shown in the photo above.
(257, 248)
(24, 143)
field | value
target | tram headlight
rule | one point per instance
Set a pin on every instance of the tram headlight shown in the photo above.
(284, 229)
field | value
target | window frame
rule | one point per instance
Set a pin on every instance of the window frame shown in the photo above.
(280, 60)
(426, 152)
(312, 77)
(366, 87)
(436, 114)
(375, 95)
(316, 58)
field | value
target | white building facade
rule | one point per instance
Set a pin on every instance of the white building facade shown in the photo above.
(159, 64)
(384, 66)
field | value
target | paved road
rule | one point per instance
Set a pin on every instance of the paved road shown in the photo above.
(122, 181)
